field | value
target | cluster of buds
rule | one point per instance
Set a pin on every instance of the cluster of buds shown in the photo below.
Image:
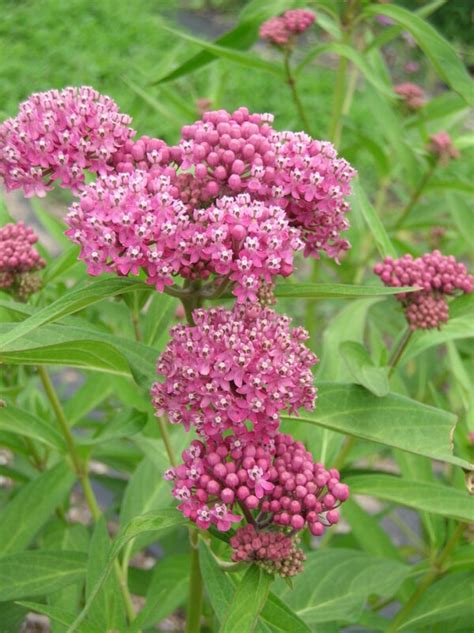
(274, 551)
(413, 96)
(435, 275)
(274, 485)
(235, 366)
(57, 135)
(19, 260)
(282, 30)
(441, 147)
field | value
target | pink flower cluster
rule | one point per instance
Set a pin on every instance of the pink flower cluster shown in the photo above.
(132, 221)
(281, 30)
(56, 136)
(18, 257)
(413, 95)
(276, 483)
(235, 366)
(441, 146)
(311, 183)
(229, 153)
(276, 552)
(436, 276)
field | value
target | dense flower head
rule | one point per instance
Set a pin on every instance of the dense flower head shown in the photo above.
(413, 95)
(151, 155)
(274, 551)
(441, 146)
(272, 483)
(229, 153)
(235, 366)
(132, 221)
(57, 135)
(282, 29)
(435, 275)
(311, 183)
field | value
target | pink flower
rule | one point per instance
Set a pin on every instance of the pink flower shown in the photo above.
(56, 136)
(281, 30)
(412, 94)
(223, 518)
(235, 366)
(19, 259)
(441, 146)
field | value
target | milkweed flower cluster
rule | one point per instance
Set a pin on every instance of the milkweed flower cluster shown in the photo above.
(441, 146)
(235, 366)
(281, 30)
(437, 276)
(57, 135)
(413, 95)
(273, 483)
(132, 221)
(19, 260)
(228, 206)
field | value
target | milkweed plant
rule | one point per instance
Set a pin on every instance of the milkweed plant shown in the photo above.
(238, 396)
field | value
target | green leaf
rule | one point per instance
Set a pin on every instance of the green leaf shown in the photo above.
(441, 54)
(125, 424)
(220, 590)
(167, 591)
(25, 574)
(333, 291)
(156, 522)
(71, 302)
(247, 60)
(421, 495)
(248, 601)
(26, 514)
(393, 420)
(361, 204)
(363, 370)
(61, 616)
(341, 582)
(108, 608)
(447, 601)
(159, 315)
(239, 38)
(24, 423)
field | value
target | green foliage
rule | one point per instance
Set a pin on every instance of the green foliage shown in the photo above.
(396, 426)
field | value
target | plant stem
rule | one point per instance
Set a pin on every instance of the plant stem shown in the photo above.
(415, 196)
(167, 441)
(135, 313)
(335, 129)
(193, 619)
(428, 580)
(81, 471)
(348, 445)
(291, 81)
(397, 354)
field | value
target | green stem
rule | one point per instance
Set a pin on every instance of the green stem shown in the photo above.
(397, 354)
(436, 570)
(193, 619)
(291, 81)
(135, 313)
(80, 469)
(415, 196)
(335, 129)
(348, 445)
(165, 436)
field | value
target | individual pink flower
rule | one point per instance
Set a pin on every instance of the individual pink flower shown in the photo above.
(441, 146)
(413, 95)
(235, 367)
(311, 183)
(58, 135)
(437, 276)
(19, 260)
